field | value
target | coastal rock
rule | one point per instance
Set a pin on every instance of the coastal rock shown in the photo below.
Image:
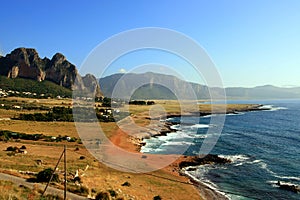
(208, 159)
(26, 63)
(288, 187)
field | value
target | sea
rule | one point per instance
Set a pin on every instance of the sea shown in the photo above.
(264, 147)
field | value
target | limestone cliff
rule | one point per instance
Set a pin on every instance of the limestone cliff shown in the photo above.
(26, 63)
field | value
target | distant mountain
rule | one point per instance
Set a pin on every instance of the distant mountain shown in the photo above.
(150, 86)
(263, 92)
(26, 63)
(161, 86)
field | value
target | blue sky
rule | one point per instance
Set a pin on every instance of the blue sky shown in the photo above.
(252, 43)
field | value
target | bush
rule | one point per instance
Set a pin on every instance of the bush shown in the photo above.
(150, 102)
(81, 157)
(11, 148)
(45, 175)
(157, 197)
(126, 184)
(103, 196)
(113, 193)
(23, 147)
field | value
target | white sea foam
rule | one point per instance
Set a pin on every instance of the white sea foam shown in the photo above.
(205, 182)
(272, 108)
(235, 158)
(200, 126)
(264, 166)
(169, 143)
(293, 178)
(207, 116)
(239, 164)
(170, 119)
(256, 161)
(236, 113)
(274, 183)
(176, 127)
(200, 136)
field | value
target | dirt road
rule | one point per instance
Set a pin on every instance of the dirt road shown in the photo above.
(50, 190)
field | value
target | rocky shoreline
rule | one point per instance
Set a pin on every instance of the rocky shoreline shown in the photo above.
(162, 128)
(186, 163)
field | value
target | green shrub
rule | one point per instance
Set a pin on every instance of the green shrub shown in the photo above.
(10, 148)
(126, 184)
(157, 197)
(45, 175)
(113, 193)
(103, 196)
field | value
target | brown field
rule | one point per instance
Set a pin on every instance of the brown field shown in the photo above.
(164, 182)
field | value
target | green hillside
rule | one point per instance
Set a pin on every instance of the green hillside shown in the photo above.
(154, 91)
(49, 89)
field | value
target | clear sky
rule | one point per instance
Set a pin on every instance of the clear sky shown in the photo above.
(252, 42)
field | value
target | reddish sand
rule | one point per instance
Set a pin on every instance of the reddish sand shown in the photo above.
(122, 140)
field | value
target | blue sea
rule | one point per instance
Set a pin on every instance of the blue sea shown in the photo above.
(264, 147)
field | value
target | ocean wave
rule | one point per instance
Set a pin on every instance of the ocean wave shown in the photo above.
(264, 166)
(236, 113)
(292, 178)
(176, 127)
(198, 136)
(150, 150)
(196, 126)
(272, 108)
(171, 143)
(235, 158)
(170, 119)
(205, 182)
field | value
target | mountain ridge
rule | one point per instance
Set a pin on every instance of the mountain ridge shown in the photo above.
(201, 91)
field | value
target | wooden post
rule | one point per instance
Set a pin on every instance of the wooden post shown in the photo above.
(65, 166)
(53, 172)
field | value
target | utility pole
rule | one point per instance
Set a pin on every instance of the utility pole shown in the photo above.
(65, 166)
(65, 173)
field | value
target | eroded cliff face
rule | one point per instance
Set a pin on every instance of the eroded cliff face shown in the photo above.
(26, 63)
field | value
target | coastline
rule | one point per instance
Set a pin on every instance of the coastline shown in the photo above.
(135, 140)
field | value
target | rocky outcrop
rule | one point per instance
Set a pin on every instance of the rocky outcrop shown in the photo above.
(288, 187)
(208, 159)
(90, 81)
(26, 63)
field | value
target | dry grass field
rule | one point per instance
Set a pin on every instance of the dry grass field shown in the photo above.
(98, 177)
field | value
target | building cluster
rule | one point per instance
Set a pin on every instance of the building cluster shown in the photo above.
(4, 93)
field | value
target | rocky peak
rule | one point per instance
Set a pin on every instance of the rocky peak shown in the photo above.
(26, 63)
(58, 58)
(23, 55)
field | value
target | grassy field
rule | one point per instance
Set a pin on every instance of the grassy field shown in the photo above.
(98, 177)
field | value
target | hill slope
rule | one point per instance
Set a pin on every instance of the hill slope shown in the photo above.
(45, 88)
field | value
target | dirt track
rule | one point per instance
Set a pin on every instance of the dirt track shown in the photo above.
(50, 190)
